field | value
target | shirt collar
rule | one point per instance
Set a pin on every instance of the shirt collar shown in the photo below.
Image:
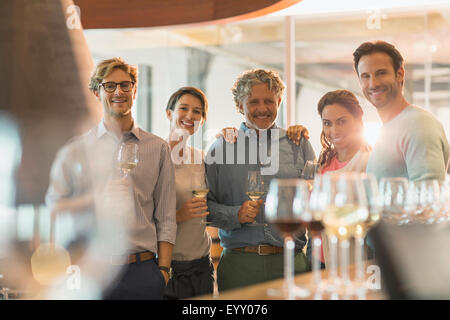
(135, 131)
(101, 131)
(244, 127)
(281, 133)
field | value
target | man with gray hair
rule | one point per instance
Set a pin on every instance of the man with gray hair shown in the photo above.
(253, 249)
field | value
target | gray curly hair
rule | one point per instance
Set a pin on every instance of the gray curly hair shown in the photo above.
(244, 83)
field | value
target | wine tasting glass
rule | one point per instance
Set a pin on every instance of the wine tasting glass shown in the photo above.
(369, 182)
(423, 201)
(286, 207)
(255, 189)
(128, 157)
(199, 187)
(347, 206)
(393, 200)
(309, 170)
(444, 201)
(317, 207)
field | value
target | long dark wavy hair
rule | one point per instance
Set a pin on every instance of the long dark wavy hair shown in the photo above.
(349, 101)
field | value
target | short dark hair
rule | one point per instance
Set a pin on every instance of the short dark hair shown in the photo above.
(378, 46)
(175, 97)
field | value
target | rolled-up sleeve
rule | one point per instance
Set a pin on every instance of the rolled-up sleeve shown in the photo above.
(164, 197)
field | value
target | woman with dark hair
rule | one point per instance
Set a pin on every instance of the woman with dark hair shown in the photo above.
(193, 271)
(343, 145)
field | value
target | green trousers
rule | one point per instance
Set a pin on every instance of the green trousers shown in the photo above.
(238, 269)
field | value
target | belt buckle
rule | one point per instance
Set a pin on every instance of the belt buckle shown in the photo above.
(259, 251)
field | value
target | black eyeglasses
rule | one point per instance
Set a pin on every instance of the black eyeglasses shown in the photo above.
(111, 86)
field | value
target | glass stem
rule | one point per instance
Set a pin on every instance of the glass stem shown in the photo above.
(333, 240)
(289, 247)
(345, 244)
(316, 253)
(359, 255)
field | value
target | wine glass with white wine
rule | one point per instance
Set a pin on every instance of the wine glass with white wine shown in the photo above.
(369, 182)
(255, 188)
(347, 206)
(199, 187)
(128, 157)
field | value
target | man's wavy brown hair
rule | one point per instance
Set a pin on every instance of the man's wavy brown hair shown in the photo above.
(106, 67)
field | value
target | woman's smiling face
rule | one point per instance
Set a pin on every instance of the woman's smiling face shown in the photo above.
(187, 114)
(340, 126)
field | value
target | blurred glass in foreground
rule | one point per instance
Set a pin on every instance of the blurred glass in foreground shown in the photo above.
(11, 149)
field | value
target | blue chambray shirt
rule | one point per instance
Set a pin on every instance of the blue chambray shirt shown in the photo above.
(227, 185)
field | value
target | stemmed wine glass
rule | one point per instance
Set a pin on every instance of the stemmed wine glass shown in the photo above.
(199, 187)
(128, 157)
(423, 200)
(347, 206)
(255, 188)
(317, 207)
(370, 185)
(444, 201)
(393, 200)
(286, 207)
(309, 170)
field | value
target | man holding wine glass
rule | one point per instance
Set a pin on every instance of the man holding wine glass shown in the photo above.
(253, 248)
(148, 183)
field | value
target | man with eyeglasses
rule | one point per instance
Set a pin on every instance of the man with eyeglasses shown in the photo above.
(149, 216)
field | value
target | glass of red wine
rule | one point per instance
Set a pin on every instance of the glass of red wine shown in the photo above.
(286, 207)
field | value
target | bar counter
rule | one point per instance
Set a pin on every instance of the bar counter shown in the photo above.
(305, 280)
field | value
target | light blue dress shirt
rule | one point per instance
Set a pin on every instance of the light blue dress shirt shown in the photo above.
(227, 184)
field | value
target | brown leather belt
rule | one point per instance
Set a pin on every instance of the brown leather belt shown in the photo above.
(262, 250)
(118, 260)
